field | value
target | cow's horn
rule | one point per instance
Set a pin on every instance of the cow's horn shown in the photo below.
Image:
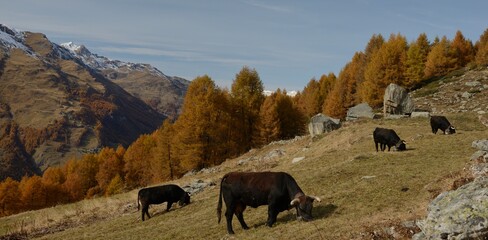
(294, 201)
(316, 198)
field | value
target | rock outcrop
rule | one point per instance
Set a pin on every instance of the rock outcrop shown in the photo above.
(321, 123)
(397, 101)
(461, 213)
(362, 110)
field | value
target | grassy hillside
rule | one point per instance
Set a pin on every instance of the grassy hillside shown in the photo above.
(363, 192)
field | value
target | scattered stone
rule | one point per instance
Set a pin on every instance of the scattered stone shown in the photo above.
(472, 84)
(480, 144)
(367, 177)
(298, 159)
(321, 123)
(466, 95)
(362, 110)
(197, 186)
(420, 114)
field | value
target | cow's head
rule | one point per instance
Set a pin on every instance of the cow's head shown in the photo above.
(450, 130)
(304, 205)
(185, 199)
(401, 145)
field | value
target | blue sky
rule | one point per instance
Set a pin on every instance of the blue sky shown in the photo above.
(287, 42)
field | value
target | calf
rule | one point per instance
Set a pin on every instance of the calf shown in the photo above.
(278, 190)
(156, 195)
(441, 122)
(387, 137)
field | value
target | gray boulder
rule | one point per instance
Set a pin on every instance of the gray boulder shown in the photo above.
(420, 114)
(362, 110)
(397, 101)
(480, 144)
(458, 214)
(321, 123)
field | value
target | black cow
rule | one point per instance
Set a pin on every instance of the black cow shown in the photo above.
(278, 190)
(156, 195)
(387, 137)
(441, 122)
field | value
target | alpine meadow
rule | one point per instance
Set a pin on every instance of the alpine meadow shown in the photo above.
(77, 142)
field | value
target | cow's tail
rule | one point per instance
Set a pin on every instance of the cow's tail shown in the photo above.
(219, 205)
(138, 202)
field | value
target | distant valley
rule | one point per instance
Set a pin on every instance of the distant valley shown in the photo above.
(58, 102)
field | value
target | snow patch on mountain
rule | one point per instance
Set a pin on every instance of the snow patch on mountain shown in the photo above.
(11, 38)
(100, 62)
(289, 93)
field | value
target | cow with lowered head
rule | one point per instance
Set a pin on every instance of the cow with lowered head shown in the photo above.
(278, 190)
(387, 137)
(156, 195)
(441, 122)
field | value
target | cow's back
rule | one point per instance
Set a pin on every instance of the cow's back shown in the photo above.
(160, 194)
(254, 188)
(386, 136)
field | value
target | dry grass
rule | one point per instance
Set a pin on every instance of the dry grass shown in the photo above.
(364, 193)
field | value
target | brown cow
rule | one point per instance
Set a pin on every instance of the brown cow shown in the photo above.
(278, 190)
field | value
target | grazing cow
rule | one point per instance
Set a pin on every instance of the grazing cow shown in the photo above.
(387, 137)
(278, 190)
(156, 195)
(441, 122)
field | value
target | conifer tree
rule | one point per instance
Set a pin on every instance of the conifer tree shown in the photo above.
(164, 165)
(34, 195)
(199, 129)
(482, 49)
(111, 164)
(416, 58)
(137, 167)
(387, 66)
(269, 124)
(10, 197)
(247, 97)
(462, 50)
(440, 60)
(310, 98)
(291, 120)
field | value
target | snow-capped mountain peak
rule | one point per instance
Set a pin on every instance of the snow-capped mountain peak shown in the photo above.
(12, 38)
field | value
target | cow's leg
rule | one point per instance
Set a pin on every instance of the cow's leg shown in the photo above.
(229, 213)
(376, 145)
(383, 147)
(239, 214)
(272, 214)
(389, 148)
(434, 130)
(169, 206)
(145, 211)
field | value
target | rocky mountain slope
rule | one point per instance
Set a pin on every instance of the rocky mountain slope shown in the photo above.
(163, 93)
(53, 106)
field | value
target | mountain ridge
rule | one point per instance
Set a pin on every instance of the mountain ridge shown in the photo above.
(54, 107)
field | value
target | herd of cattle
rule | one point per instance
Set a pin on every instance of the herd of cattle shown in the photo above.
(278, 190)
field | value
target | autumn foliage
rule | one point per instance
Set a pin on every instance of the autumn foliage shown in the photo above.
(217, 124)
